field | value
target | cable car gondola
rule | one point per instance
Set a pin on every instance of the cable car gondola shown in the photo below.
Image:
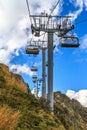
(69, 42)
(34, 76)
(32, 50)
(46, 64)
(34, 81)
(34, 68)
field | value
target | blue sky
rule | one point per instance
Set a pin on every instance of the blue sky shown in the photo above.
(70, 65)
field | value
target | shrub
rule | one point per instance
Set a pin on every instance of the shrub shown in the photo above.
(8, 118)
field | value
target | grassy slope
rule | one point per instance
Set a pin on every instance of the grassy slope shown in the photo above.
(21, 104)
(70, 112)
(20, 110)
(8, 118)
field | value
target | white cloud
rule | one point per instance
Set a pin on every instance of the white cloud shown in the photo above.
(79, 4)
(11, 11)
(13, 21)
(43, 5)
(38, 63)
(80, 96)
(39, 94)
(21, 69)
(82, 48)
(85, 3)
(83, 42)
(5, 56)
(34, 91)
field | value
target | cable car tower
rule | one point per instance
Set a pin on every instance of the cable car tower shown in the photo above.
(33, 47)
(50, 25)
(36, 82)
(41, 45)
(60, 25)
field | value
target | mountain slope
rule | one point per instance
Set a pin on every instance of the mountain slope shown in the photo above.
(70, 112)
(20, 110)
(20, 106)
(11, 79)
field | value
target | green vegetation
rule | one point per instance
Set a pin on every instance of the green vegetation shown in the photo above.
(9, 118)
(33, 116)
(20, 110)
(16, 99)
(70, 112)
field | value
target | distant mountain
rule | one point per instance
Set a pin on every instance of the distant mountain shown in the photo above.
(20, 110)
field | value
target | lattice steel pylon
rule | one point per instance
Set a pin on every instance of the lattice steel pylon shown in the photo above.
(50, 25)
(36, 84)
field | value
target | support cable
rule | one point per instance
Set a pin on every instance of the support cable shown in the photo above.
(52, 11)
(42, 34)
(55, 7)
(28, 10)
(82, 21)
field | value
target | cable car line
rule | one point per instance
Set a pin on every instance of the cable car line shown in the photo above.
(82, 21)
(55, 7)
(52, 11)
(28, 10)
(42, 34)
